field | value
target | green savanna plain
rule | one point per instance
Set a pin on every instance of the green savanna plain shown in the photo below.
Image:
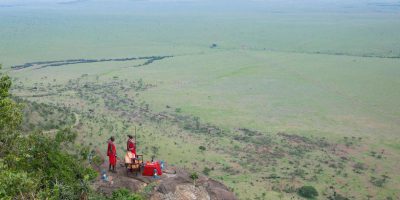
(331, 74)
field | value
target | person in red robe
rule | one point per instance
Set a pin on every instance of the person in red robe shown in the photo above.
(131, 145)
(112, 154)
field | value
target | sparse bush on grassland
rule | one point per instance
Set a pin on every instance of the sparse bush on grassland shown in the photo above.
(308, 192)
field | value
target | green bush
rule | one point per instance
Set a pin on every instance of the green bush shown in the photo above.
(202, 148)
(194, 176)
(206, 171)
(50, 167)
(35, 166)
(97, 160)
(308, 192)
(10, 112)
(379, 182)
(125, 194)
(13, 184)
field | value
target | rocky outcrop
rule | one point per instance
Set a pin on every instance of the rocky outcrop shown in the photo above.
(180, 186)
(175, 183)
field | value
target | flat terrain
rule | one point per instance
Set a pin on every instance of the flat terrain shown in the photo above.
(278, 98)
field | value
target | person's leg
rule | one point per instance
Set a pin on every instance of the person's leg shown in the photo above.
(115, 163)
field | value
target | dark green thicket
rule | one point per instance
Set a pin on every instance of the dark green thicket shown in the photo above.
(10, 114)
(308, 192)
(38, 166)
(202, 148)
(34, 165)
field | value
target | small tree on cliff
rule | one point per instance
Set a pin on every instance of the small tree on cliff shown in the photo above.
(10, 112)
(194, 177)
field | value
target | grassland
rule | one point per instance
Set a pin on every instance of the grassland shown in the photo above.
(283, 100)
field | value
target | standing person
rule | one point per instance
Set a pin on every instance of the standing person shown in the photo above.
(131, 145)
(112, 154)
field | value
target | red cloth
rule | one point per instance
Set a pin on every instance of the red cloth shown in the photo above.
(112, 153)
(131, 146)
(149, 169)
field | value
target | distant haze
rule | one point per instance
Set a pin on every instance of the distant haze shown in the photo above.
(220, 5)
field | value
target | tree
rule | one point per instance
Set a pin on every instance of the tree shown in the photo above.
(308, 192)
(34, 165)
(212, 46)
(10, 112)
(9, 180)
(194, 176)
(202, 148)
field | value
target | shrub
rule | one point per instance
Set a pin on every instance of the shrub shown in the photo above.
(379, 182)
(206, 171)
(194, 177)
(308, 192)
(148, 189)
(13, 184)
(97, 160)
(359, 167)
(10, 111)
(124, 194)
(34, 165)
(202, 148)
(338, 197)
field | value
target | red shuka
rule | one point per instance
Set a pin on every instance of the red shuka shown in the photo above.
(112, 153)
(131, 146)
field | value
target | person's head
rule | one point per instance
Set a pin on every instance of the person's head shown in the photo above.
(112, 138)
(130, 136)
